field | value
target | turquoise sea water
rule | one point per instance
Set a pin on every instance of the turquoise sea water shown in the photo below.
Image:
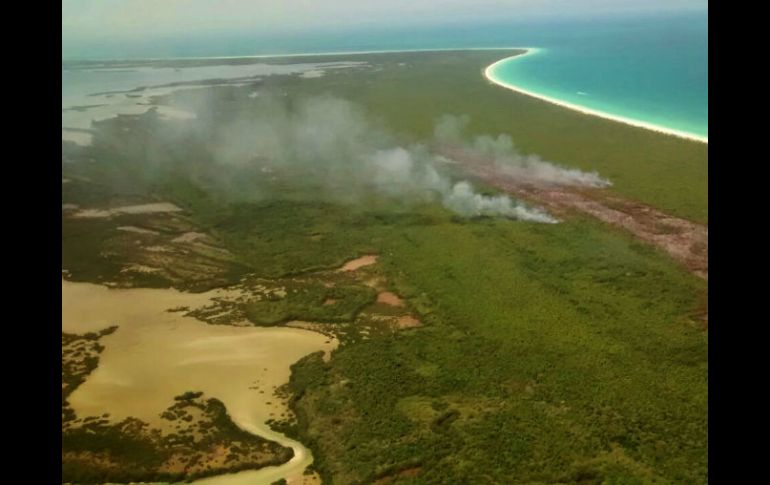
(649, 68)
(655, 73)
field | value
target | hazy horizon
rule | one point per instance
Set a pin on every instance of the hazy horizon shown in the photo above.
(116, 28)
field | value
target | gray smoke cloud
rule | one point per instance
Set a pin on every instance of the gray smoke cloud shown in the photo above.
(332, 140)
(463, 200)
(508, 161)
(397, 170)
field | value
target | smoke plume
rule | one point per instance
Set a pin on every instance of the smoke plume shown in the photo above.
(274, 142)
(332, 140)
(507, 160)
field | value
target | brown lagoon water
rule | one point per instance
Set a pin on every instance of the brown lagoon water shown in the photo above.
(156, 355)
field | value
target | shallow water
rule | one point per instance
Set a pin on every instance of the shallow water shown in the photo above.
(79, 85)
(97, 93)
(156, 355)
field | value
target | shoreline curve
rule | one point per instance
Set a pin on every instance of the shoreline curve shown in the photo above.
(489, 75)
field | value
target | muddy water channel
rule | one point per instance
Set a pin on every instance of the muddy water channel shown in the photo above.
(157, 354)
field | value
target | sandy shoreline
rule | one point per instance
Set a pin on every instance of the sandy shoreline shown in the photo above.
(489, 74)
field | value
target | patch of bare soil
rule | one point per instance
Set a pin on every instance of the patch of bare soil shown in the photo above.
(407, 321)
(683, 240)
(389, 298)
(354, 264)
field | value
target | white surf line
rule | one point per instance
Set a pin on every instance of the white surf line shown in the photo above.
(489, 74)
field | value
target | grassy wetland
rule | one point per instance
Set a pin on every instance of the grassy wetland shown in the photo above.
(481, 338)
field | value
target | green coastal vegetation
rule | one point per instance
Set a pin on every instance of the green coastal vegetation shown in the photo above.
(411, 90)
(533, 375)
(547, 353)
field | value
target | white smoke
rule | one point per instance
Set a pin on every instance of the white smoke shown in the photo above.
(397, 172)
(508, 161)
(331, 139)
(463, 200)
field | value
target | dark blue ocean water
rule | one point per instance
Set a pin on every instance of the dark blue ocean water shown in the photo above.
(651, 68)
